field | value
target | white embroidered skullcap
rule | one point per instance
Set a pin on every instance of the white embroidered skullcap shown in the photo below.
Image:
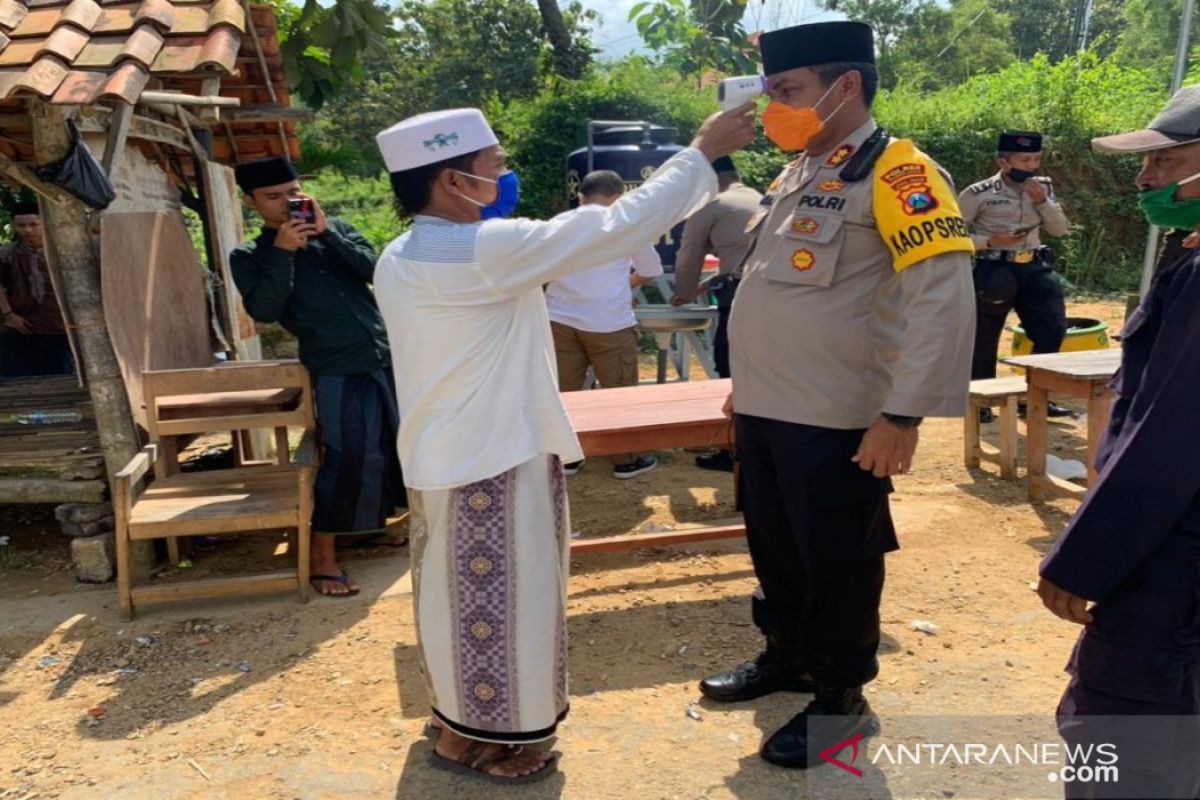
(437, 136)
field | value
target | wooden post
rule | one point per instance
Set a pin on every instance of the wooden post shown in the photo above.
(70, 244)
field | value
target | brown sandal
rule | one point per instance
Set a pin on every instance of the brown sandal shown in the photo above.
(475, 763)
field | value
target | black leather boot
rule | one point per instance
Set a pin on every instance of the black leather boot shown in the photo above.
(779, 668)
(834, 716)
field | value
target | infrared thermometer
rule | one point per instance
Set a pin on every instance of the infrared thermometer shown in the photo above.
(733, 92)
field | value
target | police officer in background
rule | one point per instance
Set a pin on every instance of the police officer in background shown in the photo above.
(853, 320)
(1012, 268)
(718, 228)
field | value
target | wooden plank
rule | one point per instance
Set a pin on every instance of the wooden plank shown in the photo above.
(220, 404)
(1008, 439)
(151, 283)
(217, 587)
(998, 388)
(1084, 364)
(234, 422)
(656, 416)
(51, 490)
(612, 544)
(234, 376)
(971, 448)
(1036, 432)
(212, 525)
(1057, 487)
(1099, 411)
(1070, 385)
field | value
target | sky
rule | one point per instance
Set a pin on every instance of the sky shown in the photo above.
(616, 36)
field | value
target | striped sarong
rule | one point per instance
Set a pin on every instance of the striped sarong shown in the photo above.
(490, 562)
(359, 484)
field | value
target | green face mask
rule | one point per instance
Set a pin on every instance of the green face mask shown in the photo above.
(1162, 209)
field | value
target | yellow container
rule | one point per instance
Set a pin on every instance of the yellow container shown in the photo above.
(1082, 334)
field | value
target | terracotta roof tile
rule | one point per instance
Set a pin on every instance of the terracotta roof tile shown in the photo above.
(66, 42)
(80, 52)
(44, 76)
(143, 45)
(11, 13)
(160, 12)
(84, 13)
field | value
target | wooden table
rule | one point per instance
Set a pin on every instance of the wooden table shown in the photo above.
(652, 417)
(1084, 375)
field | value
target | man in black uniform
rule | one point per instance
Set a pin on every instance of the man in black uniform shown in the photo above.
(1013, 269)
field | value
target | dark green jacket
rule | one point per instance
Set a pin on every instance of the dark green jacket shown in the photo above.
(321, 294)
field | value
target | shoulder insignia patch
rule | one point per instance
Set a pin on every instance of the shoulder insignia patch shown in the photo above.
(839, 156)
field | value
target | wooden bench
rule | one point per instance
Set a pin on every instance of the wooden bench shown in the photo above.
(1003, 394)
(263, 498)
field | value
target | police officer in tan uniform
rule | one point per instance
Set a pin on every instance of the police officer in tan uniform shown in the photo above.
(718, 228)
(1013, 269)
(853, 321)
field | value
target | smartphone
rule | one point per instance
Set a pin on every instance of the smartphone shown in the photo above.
(1024, 230)
(301, 208)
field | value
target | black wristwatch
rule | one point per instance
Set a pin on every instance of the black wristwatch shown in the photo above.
(901, 421)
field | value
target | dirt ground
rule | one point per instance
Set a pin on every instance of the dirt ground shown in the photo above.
(272, 699)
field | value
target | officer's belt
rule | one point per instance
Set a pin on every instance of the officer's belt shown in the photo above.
(1009, 256)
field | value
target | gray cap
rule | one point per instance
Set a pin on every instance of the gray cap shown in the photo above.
(1178, 123)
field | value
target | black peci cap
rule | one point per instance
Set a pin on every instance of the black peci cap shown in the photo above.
(264, 172)
(1019, 142)
(816, 44)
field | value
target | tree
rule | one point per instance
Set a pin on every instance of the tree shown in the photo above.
(946, 46)
(446, 53)
(571, 56)
(1042, 26)
(696, 36)
(891, 20)
(324, 47)
(1151, 33)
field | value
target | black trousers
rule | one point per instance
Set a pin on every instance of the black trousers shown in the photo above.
(818, 528)
(723, 289)
(24, 356)
(1001, 287)
(1135, 680)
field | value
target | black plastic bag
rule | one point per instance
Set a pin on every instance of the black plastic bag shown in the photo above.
(79, 174)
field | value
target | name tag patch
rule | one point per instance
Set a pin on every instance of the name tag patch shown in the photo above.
(824, 203)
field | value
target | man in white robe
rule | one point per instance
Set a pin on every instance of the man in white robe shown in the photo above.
(483, 431)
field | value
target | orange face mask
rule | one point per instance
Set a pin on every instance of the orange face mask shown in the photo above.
(791, 128)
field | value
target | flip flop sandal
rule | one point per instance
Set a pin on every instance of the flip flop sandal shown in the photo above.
(475, 764)
(343, 579)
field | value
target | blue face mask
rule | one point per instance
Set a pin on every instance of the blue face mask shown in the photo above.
(508, 194)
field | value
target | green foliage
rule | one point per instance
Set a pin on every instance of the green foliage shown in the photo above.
(1072, 102)
(450, 53)
(947, 45)
(540, 132)
(1150, 35)
(366, 203)
(696, 36)
(324, 46)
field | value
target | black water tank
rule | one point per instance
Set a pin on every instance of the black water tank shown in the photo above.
(627, 151)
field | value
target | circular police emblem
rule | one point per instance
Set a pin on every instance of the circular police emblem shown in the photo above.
(919, 202)
(647, 171)
(573, 183)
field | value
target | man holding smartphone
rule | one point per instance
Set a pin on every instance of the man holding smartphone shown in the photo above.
(1013, 268)
(313, 275)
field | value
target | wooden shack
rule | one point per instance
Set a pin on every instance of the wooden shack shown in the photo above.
(166, 93)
